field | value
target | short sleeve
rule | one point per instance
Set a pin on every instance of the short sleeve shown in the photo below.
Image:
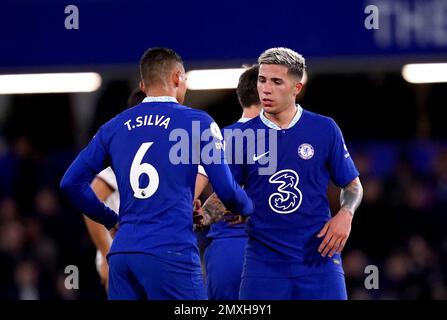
(201, 170)
(341, 166)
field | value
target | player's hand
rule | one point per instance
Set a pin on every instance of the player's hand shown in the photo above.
(114, 230)
(103, 270)
(335, 232)
(234, 219)
(200, 218)
(197, 213)
(213, 210)
(214, 207)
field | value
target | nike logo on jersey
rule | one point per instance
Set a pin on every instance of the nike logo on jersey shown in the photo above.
(256, 158)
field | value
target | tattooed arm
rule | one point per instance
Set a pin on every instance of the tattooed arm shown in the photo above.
(351, 196)
(214, 209)
(336, 231)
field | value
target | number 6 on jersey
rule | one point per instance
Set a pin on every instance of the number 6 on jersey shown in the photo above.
(138, 168)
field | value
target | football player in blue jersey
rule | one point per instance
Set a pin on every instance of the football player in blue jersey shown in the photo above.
(105, 187)
(294, 245)
(223, 274)
(154, 149)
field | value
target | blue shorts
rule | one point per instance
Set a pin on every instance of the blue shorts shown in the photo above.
(319, 286)
(224, 259)
(139, 276)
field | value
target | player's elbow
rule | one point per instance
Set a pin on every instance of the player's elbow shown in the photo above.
(66, 183)
(224, 194)
(235, 200)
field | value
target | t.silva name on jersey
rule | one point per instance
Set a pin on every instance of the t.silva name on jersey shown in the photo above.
(148, 120)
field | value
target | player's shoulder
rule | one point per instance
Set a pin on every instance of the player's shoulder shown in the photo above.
(107, 128)
(244, 123)
(236, 125)
(123, 114)
(318, 120)
(194, 114)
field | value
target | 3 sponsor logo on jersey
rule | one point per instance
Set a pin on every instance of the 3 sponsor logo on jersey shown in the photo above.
(287, 198)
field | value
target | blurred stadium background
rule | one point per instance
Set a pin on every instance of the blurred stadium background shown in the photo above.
(395, 129)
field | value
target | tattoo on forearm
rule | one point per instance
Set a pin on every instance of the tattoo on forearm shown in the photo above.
(351, 196)
(215, 208)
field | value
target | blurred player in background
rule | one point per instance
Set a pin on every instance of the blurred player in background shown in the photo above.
(223, 274)
(155, 235)
(105, 187)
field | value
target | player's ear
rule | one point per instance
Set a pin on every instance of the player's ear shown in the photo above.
(298, 87)
(142, 86)
(176, 77)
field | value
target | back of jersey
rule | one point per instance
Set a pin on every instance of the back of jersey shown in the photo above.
(151, 153)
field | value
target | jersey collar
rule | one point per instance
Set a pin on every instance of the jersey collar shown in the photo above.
(272, 125)
(160, 99)
(243, 120)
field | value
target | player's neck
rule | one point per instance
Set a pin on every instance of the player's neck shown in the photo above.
(251, 112)
(160, 91)
(283, 118)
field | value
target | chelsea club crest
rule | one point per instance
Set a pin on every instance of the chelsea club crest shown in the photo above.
(306, 151)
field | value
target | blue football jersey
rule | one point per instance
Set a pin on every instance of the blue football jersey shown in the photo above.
(154, 149)
(290, 198)
(223, 229)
